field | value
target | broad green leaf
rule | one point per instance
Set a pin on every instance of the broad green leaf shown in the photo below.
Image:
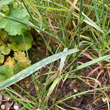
(3, 2)
(5, 49)
(5, 72)
(28, 71)
(18, 43)
(1, 58)
(13, 27)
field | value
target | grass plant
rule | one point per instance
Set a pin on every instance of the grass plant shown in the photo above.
(69, 26)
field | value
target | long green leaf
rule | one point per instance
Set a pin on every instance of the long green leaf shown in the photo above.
(105, 58)
(28, 71)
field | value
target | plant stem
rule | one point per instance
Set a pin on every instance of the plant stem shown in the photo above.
(79, 32)
(28, 11)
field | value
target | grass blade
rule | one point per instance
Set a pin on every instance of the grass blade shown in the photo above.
(84, 92)
(28, 71)
(92, 62)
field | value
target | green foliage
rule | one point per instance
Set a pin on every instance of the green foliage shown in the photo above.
(4, 49)
(14, 43)
(59, 19)
(3, 37)
(21, 57)
(1, 58)
(4, 2)
(3, 34)
(17, 42)
(13, 27)
(14, 36)
(18, 62)
(5, 72)
(108, 1)
(22, 61)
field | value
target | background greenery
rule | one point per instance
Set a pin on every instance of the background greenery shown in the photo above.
(80, 28)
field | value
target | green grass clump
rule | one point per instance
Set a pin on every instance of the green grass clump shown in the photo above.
(80, 28)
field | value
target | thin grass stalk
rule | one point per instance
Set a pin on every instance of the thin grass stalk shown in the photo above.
(81, 93)
(33, 99)
(96, 12)
(70, 13)
(28, 11)
(103, 23)
(79, 32)
(13, 93)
